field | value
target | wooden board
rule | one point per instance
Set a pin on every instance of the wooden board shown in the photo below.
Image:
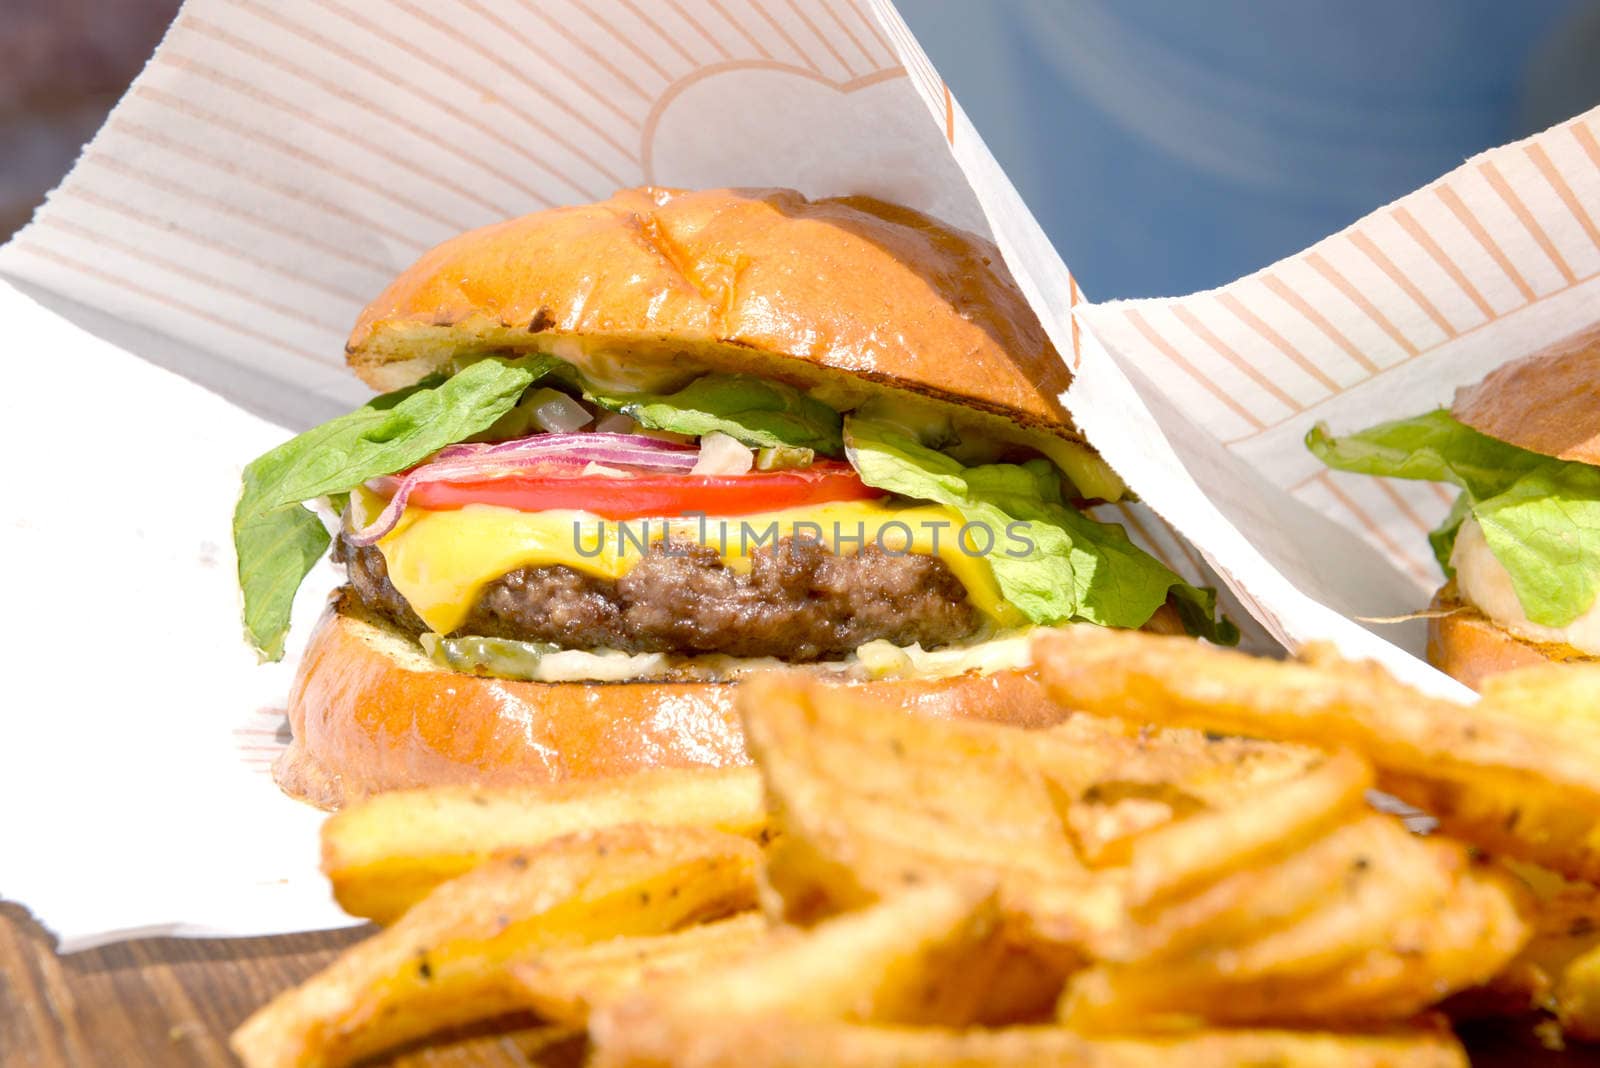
(172, 1002)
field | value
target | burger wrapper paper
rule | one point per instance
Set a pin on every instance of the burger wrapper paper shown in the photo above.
(181, 302)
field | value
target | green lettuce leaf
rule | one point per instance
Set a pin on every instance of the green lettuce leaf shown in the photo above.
(1442, 538)
(1052, 562)
(1545, 531)
(758, 413)
(278, 541)
(276, 551)
(1433, 448)
(1540, 516)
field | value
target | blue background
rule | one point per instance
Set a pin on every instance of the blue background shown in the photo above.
(1169, 146)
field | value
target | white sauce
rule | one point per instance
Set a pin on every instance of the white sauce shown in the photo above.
(875, 660)
(881, 659)
(613, 372)
(573, 665)
(1483, 582)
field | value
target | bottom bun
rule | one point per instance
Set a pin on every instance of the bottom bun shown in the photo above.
(370, 713)
(1469, 647)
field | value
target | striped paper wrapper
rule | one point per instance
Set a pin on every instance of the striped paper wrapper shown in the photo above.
(1495, 260)
(1202, 402)
(186, 292)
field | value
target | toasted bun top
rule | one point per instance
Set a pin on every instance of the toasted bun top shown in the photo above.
(1469, 647)
(760, 281)
(1548, 402)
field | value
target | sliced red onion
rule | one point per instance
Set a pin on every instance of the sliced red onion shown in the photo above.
(475, 462)
(600, 447)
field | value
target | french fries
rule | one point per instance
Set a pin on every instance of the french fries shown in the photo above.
(924, 956)
(782, 1042)
(840, 823)
(1562, 695)
(1578, 997)
(1518, 785)
(1248, 902)
(563, 986)
(964, 894)
(1559, 971)
(1090, 757)
(386, 853)
(446, 962)
(1385, 948)
(1566, 927)
(869, 801)
(1114, 786)
(1186, 853)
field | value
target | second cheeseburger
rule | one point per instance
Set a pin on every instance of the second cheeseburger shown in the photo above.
(1521, 545)
(634, 449)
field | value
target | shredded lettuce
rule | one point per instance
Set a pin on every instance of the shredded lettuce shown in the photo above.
(1052, 562)
(278, 540)
(1540, 516)
(756, 412)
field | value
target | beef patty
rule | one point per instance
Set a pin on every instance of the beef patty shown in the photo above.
(798, 601)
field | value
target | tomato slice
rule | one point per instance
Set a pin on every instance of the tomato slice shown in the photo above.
(653, 493)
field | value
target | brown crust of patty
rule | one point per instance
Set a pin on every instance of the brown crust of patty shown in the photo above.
(844, 292)
(369, 713)
(1469, 647)
(798, 602)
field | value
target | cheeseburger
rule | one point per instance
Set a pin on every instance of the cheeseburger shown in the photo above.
(633, 450)
(1521, 546)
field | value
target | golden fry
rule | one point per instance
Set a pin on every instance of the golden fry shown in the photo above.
(1578, 997)
(869, 800)
(1566, 926)
(1562, 695)
(1190, 852)
(1526, 788)
(1413, 922)
(781, 1042)
(446, 961)
(385, 853)
(1114, 786)
(1438, 952)
(1247, 903)
(1087, 755)
(565, 985)
(1105, 822)
(1025, 986)
(924, 956)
